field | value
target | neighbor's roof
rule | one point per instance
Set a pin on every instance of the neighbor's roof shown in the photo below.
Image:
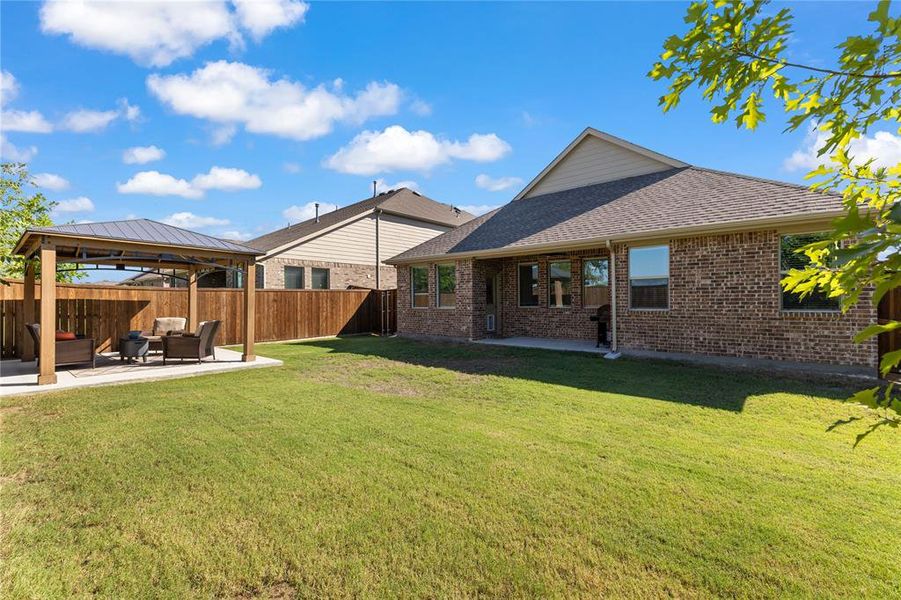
(402, 202)
(142, 231)
(677, 201)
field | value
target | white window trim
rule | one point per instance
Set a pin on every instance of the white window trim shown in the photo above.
(519, 303)
(438, 286)
(582, 276)
(563, 306)
(781, 292)
(669, 279)
(413, 287)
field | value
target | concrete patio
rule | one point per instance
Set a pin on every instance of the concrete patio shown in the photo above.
(17, 377)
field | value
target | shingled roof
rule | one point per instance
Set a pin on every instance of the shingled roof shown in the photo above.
(672, 202)
(403, 202)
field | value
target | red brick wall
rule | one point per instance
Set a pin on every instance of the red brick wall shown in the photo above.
(724, 300)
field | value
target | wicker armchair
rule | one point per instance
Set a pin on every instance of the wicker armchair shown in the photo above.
(68, 352)
(196, 346)
(163, 326)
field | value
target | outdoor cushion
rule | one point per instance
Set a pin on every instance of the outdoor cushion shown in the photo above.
(163, 325)
(64, 335)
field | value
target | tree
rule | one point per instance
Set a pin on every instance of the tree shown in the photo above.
(734, 52)
(18, 212)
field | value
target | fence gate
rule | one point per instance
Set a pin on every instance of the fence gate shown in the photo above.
(387, 307)
(890, 310)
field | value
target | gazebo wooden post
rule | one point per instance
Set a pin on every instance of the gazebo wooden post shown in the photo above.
(47, 350)
(28, 348)
(193, 310)
(249, 310)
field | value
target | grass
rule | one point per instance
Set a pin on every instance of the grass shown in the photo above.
(384, 467)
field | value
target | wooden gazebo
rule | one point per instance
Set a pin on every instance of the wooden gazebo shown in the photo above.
(116, 245)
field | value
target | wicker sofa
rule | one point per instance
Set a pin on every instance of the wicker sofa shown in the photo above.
(68, 352)
(164, 326)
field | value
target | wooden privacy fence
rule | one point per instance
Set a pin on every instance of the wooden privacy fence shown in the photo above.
(890, 309)
(107, 312)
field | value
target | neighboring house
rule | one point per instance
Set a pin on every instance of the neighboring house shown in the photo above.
(347, 247)
(688, 259)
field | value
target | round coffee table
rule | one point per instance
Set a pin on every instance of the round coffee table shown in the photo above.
(133, 348)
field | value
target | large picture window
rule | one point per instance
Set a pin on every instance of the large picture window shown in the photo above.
(528, 284)
(446, 276)
(419, 286)
(789, 259)
(559, 285)
(293, 278)
(595, 282)
(319, 279)
(649, 277)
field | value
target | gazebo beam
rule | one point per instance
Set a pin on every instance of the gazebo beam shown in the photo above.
(28, 348)
(193, 310)
(47, 351)
(249, 310)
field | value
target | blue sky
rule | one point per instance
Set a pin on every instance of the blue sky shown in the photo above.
(260, 111)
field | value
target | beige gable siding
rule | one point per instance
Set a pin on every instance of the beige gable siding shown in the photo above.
(595, 161)
(397, 234)
(354, 243)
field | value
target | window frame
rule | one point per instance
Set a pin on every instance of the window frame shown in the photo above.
(328, 278)
(585, 261)
(783, 272)
(438, 286)
(519, 284)
(413, 287)
(303, 281)
(554, 262)
(629, 278)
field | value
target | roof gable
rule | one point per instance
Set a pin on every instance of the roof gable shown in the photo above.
(596, 157)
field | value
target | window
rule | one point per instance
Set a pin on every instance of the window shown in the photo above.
(559, 288)
(595, 282)
(790, 259)
(419, 285)
(446, 276)
(293, 278)
(319, 279)
(260, 277)
(528, 284)
(649, 277)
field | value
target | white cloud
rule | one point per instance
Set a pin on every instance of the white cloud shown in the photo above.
(496, 184)
(140, 155)
(232, 93)
(883, 146)
(51, 181)
(291, 167)
(223, 134)
(129, 112)
(395, 148)
(421, 107)
(155, 33)
(155, 183)
(297, 214)
(9, 87)
(79, 204)
(235, 235)
(227, 180)
(189, 220)
(383, 186)
(260, 18)
(84, 121)
(478, 209)
(30, 121)
(11, 152)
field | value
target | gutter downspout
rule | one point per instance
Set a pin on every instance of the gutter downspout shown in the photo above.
(378, 266)
(613, 354)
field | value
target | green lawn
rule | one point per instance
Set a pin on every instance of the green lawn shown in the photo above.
(383, 467)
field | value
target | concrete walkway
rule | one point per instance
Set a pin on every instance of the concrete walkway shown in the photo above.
(546, 344)
(17, 377)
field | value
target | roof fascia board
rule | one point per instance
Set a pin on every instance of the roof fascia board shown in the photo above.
(590, 131)
(114, 244)
(815, 220)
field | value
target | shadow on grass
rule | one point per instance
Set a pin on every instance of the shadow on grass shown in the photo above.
(662, 380)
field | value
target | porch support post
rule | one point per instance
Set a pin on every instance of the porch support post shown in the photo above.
(193, 310)
(28, 348)
(249, 310)
(612, 297)
(47, 351)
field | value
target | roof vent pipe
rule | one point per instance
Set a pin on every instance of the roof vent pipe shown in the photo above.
(317, 211)
(374, 187)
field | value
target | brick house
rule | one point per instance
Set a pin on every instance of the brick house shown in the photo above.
(683, 260)
(347, 247)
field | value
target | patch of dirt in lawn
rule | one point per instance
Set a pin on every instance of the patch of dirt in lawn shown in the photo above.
(276, 591)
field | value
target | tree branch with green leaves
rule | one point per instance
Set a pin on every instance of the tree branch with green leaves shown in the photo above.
(735, 54)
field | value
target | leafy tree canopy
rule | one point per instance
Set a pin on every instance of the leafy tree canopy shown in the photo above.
(734, 54)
